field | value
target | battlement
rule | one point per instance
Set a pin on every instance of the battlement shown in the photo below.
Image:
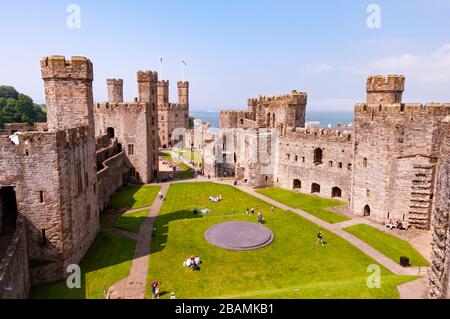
(171, 107)
(163, 83)
(147, 76)
(318, 133)
(106, 107)
(114, 81)
(184, 84)
(409, 110)
(292, 98)
(57, 67)
(391, 83)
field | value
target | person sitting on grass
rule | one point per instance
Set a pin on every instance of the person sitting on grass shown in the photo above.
(252, 211)
(320, 239)
(247, 212)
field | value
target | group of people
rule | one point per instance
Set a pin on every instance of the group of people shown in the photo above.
(252, 212)
(201, 211)
(215, 199)
(193, 262)
(395, 225)
(156, 291)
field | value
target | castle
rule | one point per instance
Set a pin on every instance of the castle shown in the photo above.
(393, 162)
(56, 179)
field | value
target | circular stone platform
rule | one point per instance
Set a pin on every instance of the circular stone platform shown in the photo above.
(239, 236)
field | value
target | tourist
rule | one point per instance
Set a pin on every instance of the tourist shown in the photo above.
(273, 209)
(320, 238)
(157, 292)
(172, 296)
(161, 195)
(195, 211)
(247, 212)
(253, 211)
(260, 218)
(197, 260)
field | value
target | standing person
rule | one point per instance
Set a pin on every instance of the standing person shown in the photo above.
(157, 292)
(247, 212)
(161, 195)
(253, 211)
(172, 296)
(320, 238)
(260, 218)
(273, 209)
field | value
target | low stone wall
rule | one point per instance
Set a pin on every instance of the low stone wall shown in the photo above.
(110, 178)
(14, 275)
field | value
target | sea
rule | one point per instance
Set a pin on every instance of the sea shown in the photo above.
(326, 119)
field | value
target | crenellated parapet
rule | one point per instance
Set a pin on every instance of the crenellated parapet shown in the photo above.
(332, 135)
(147, 76)
(407, 110)
(108, 108)
(294, 98)
(57, 67)
(385, 90)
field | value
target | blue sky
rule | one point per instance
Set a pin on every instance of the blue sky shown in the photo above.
(237, 49)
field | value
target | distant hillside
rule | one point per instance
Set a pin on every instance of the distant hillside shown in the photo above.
(16, 107)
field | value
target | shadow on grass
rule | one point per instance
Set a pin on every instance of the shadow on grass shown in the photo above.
(161, 223)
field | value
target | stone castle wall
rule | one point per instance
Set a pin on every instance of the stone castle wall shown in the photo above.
(14, 276)
(298, 169)
(439, 271)
(396, 146)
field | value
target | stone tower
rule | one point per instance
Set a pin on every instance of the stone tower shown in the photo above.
(385, 90)
(147, 86)
(163, 92)
(68, 91)
(395, 152)
(183, 93)
(115, 90)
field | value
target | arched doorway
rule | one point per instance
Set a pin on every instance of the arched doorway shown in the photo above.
(315, 188)
(336, 192)
(110, 132)
(8, 210)
(297, 184)
(366, 211)
(318, 154)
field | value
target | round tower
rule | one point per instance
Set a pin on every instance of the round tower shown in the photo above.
(163, 92)
(115, 90)
(147, 86)
(183, 93)
(385, 90)
(68, 92)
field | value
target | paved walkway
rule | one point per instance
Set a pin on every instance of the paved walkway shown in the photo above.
(136, 284)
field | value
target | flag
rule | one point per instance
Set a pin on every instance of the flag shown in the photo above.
(184, 62)
(161, 60)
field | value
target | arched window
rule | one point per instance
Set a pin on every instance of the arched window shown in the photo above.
(110, 132)
(268, 119)
(367, 211)
(315, 188)
(297, 184)
(318, 153)
(365, 162)
(336, 192)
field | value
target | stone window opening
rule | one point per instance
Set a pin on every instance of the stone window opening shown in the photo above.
(297, 184)
(8, 210)
(330, 163)
(79, 178)
(242, 122)
(296, 158)
(43, 238)
(288, 156)
(110, 132)
(130, 149)
(366, 211)
(303, 159)
(367, 193)
(340, 165)
(349, 167)
(365, 162)
(336, 192)
(318, 154)
(315, 188)
(41, 196)
(267, 178)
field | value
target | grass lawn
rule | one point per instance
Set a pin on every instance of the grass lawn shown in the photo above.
(293, 266)
(313, 205)
(391, 246)
(133, 197)
(187, 172)
(106, 262)
(187, 154)
(131, 221)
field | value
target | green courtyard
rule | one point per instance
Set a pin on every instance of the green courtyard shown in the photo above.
(292, 266)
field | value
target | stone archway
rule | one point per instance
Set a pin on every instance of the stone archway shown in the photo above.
(297, 184)
(366, 211)
(336, 192)
(315, 188)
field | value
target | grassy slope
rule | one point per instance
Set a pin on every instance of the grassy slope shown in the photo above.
(387, 244)
(107, 261)
(131, 221)
(293, 266)
(311, 204)
(134, 196)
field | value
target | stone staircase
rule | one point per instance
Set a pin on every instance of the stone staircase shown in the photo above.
(421, 197)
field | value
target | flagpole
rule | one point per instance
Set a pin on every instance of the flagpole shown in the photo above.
(182, 71)
(161, 68)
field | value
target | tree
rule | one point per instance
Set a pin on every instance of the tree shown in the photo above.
(16, 107)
